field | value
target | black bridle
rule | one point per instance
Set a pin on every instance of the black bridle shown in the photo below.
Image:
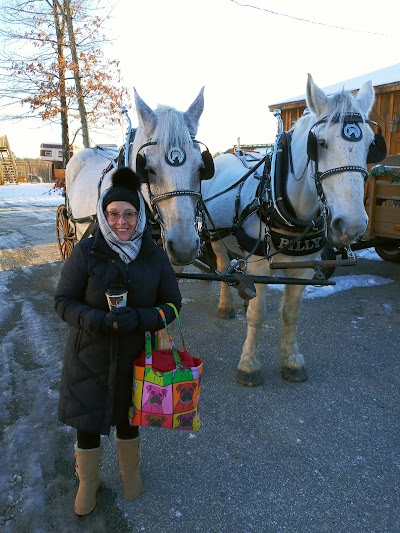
(274, 207)
(155, 199)
(376, 152)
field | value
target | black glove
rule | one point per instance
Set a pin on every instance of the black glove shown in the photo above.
(122, 318)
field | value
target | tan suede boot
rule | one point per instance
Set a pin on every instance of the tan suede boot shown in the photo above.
(87, 470)
(129, 465)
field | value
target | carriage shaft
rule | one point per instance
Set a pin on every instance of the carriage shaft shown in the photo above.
(236, 278)
(326, 263)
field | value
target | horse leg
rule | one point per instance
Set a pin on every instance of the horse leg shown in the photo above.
(292, 361)
(226, 307)
(249, 367)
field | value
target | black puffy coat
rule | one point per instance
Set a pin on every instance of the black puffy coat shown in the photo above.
(96, 380)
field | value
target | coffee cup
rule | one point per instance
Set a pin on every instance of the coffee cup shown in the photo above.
(117, 297)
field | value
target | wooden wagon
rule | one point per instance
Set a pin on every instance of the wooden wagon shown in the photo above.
(382, 204)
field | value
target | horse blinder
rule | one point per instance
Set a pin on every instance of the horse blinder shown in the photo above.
(141, 168)
(207, 172)
(312, 146)
(377, 150)
(174, 158)
(312, 143)
(141, 162)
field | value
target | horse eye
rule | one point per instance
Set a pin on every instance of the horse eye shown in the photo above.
(151, 171)
(322, 143)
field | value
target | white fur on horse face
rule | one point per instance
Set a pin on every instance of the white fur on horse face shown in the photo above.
(344, 191)
(169, 127)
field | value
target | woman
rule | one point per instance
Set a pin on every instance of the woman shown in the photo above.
(96, 380)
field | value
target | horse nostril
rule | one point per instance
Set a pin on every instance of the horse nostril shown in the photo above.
(337, 224)
(182, 253)
(170, 247)
(348, 233)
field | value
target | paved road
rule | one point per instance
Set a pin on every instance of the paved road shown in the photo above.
(322, 456)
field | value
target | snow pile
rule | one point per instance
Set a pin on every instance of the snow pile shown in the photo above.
(30, 194)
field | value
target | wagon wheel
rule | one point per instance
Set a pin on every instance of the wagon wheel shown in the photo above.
(389, 252)
(66, 238)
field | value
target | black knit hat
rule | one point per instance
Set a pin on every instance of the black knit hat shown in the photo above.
(124, 188)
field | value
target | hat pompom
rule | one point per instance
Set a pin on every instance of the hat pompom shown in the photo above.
(125, 188)
(125, 178)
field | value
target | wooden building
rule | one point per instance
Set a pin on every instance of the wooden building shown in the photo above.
(53, 152)
(8, 170)
(386, 110)
(14, 170)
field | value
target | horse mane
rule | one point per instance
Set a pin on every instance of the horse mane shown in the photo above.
(342, 102)
(339, 103)
(171, 129)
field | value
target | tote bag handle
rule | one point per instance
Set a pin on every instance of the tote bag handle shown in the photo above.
(175, 353)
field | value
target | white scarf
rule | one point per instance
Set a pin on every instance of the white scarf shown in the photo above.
(127, 250)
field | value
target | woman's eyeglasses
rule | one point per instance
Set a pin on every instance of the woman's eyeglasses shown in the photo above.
(129, 216)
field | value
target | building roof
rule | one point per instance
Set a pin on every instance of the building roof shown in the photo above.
(383, 76)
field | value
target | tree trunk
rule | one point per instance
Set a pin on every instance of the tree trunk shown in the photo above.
(60, 31)
(77, 78)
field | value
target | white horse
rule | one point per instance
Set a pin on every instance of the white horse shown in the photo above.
(321, 193)
(164, 152)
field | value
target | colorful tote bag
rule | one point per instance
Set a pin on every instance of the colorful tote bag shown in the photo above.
(166, 399)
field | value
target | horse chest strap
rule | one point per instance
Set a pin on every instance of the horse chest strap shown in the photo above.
(309, 244)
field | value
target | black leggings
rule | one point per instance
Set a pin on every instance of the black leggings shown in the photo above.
(88, 441)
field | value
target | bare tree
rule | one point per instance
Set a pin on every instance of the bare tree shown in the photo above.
(77, 75)
(53, 63)
(60, 34)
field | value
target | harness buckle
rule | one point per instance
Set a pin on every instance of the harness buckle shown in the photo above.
(318, 273)
(244, 285)
(237, 265)
(349, 252)
(198, 223)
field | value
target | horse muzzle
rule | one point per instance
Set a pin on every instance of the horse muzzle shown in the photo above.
(344, 233)
(181, 254)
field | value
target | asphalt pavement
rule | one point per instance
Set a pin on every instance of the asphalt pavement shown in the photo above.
(316, 457)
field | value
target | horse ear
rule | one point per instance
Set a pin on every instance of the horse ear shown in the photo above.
(366, 97)
(317, 100)
(193, 114)
(147, 117)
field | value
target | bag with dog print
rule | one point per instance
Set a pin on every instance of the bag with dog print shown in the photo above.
(170, 398)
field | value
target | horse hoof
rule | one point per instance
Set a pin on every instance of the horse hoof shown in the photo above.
(252, 379)
(294, 375)
(226, 314)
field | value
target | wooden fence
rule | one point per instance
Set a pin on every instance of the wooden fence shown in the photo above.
(28, 168)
